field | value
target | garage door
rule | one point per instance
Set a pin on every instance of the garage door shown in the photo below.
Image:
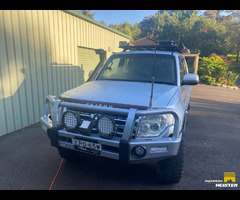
(88, 59)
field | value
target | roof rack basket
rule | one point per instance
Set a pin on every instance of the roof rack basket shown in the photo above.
(163, 45)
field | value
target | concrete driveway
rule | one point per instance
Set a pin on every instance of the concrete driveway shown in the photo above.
(27, 161)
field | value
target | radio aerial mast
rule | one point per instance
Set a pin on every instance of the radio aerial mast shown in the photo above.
(153, 72)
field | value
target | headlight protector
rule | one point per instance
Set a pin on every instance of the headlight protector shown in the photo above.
(153, 125)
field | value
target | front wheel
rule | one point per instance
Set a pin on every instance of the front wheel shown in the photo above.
(170, 170)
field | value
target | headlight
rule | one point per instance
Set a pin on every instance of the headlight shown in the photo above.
(70, 120)
(153, 125)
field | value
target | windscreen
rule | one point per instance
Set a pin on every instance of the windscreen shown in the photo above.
(139, 68)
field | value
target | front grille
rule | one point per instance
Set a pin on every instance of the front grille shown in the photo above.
(119, 122)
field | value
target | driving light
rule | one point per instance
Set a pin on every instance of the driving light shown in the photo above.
(138, 152)
(106, 127)
(153, 125)
(70, 120)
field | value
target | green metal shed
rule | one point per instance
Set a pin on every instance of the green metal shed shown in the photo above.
(46, 52)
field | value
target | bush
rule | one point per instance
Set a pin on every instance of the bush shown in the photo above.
(207, 80)
(212, 66)
(214, 69)
(232, 78)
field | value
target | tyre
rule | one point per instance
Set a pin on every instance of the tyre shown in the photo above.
(170, 170)
(67, 154)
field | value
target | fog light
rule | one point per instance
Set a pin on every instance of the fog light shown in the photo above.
(139, 152)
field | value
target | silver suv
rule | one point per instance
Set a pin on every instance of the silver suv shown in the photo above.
(134, 108)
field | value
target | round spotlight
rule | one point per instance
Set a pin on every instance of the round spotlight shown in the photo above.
(106, 127)
(138, 151)
(70, 120)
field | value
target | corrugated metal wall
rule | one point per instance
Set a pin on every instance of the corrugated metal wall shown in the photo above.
(87, 58)
(39, 56)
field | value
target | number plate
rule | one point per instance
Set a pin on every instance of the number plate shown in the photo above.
(86, 145)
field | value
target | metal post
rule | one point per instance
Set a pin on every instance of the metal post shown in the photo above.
(195, 64)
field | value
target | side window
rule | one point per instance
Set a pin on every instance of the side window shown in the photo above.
(183, 67)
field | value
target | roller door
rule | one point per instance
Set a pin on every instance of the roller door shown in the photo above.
(88, 59)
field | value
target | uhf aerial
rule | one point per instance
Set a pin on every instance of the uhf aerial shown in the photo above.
(153, 72)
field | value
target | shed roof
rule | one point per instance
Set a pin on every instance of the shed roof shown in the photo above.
(84, 17)
(144, 41)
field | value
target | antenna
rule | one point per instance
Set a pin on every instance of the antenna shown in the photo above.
(153, 79)
(153, 72)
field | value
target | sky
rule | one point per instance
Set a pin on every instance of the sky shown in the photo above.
(121, 16)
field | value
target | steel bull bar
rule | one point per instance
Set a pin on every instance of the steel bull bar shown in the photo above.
(126, 143)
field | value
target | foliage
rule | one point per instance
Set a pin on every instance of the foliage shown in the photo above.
(87, 13)
(214, 69)
(208, 80)
(235, 67)
(127, 28)
(195, 31)
(232, 78)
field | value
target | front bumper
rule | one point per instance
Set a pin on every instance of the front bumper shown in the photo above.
(118, 148)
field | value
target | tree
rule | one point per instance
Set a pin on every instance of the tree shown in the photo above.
(87, 13)
(147, 26)
(195, 31)
(231, 22)
(129, 29)
(212, 14)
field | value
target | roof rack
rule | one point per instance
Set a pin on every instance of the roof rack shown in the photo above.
(163, 45)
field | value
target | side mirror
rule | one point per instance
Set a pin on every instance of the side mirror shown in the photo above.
(190, 79)
(90, 73)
